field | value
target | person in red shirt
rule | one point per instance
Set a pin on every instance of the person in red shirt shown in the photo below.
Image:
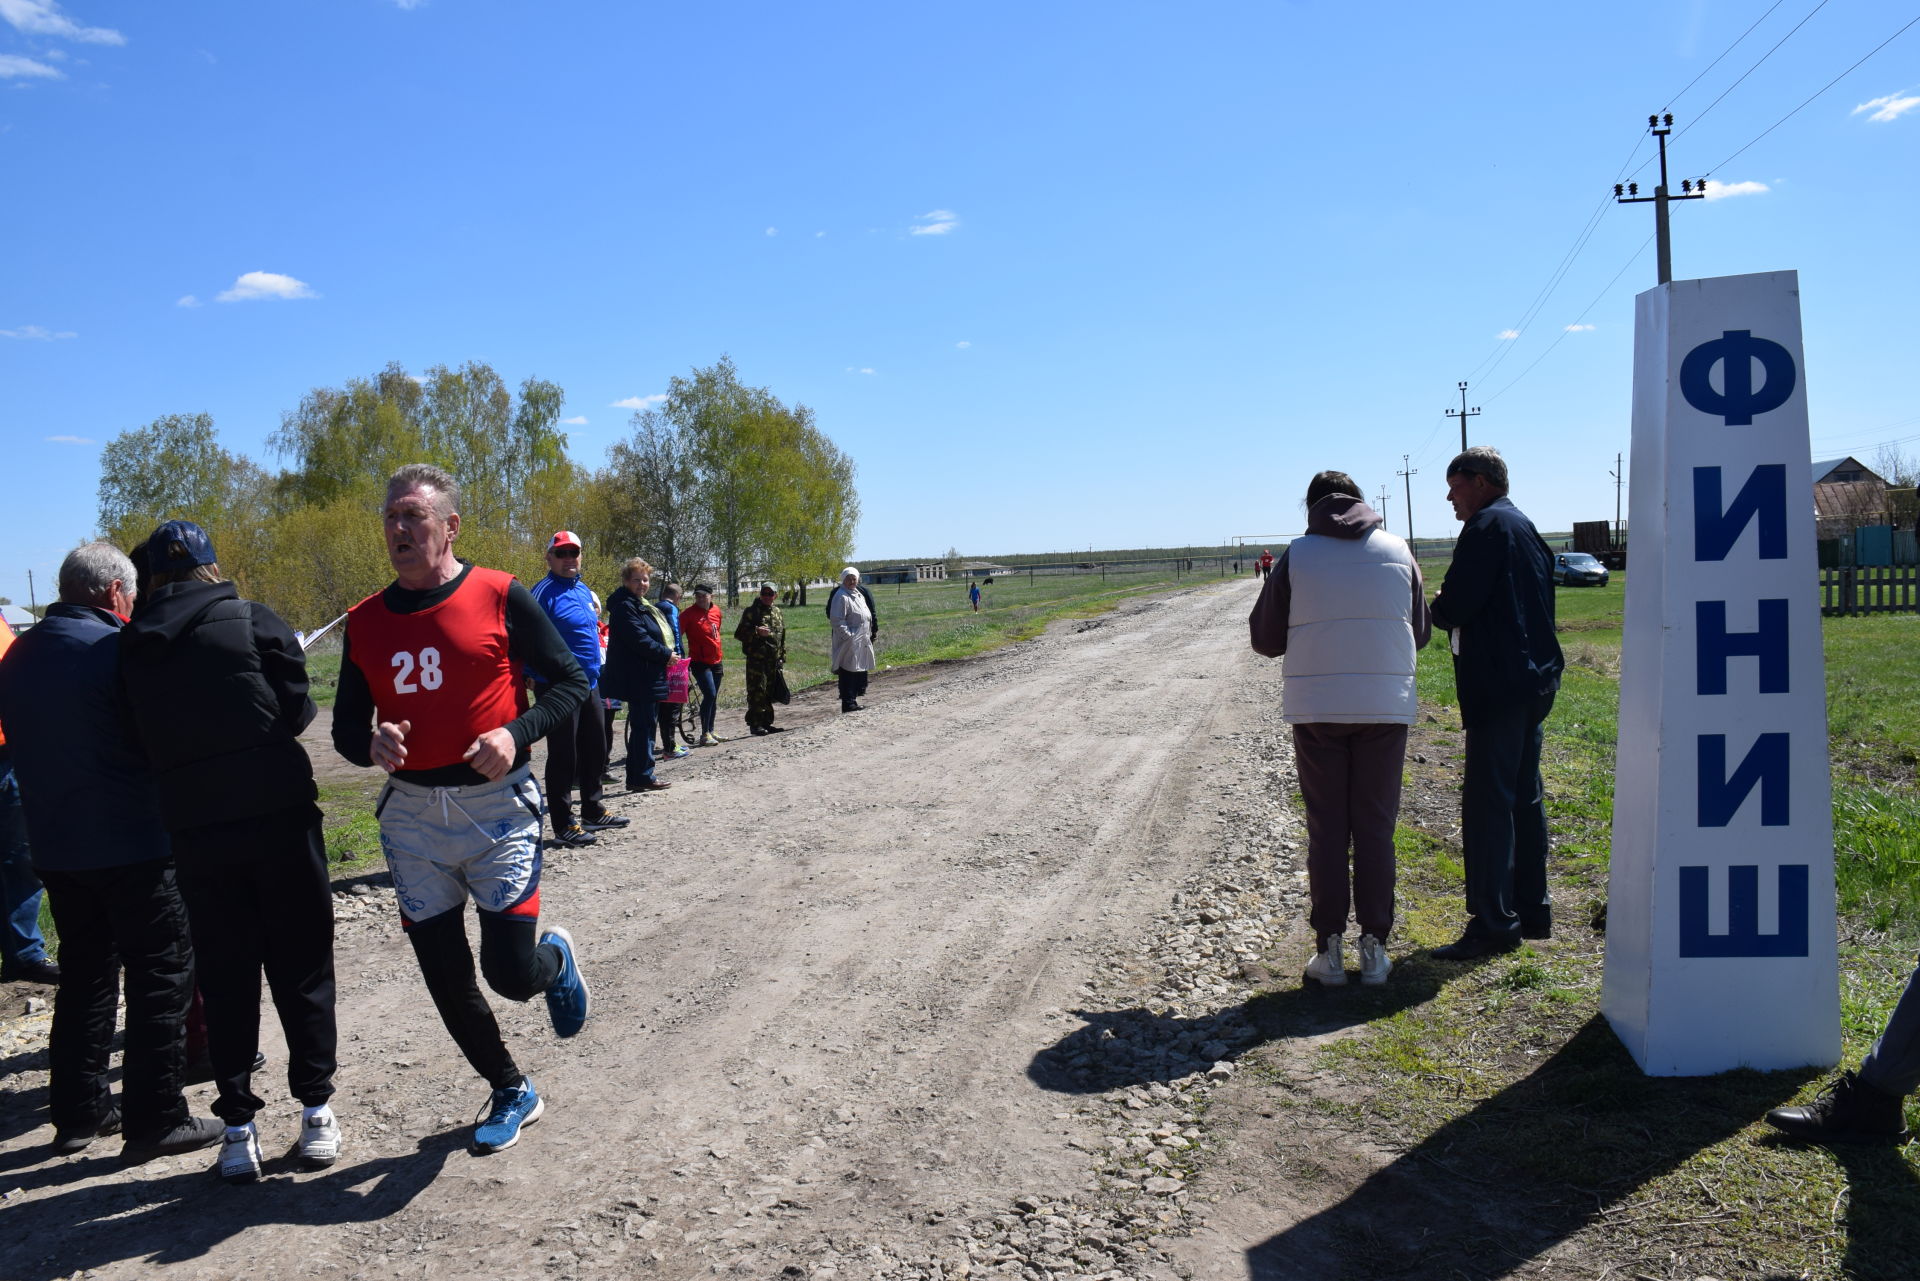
(430, 692)
(700, 624)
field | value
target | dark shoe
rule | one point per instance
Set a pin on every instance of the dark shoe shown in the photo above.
(759, 730)
(1471, 947)
(1850, 1111)
(67, 1142)
(776, 729)
(40, 971)
(1537, 927)
(649, 785)
(576, 835)
(601, 822)
(190, 1135)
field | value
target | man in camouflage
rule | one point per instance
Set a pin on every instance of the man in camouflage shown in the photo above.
(762, 634)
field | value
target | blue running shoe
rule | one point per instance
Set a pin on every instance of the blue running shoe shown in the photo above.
(567, 996)
(507, 1111)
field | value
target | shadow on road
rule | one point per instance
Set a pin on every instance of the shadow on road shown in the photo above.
(1118, 1048)
(184, 1216)
(1493, 1190)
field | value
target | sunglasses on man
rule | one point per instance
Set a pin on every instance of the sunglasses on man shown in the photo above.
(566, 553)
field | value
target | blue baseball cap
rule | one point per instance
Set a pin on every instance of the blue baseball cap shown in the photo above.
(199, 548)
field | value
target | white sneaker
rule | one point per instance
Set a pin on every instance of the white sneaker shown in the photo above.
(1374, 965)
(319, 1140)
(240, 1154)
(1329, 968)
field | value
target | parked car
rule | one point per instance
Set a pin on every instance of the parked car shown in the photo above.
(1578, 569)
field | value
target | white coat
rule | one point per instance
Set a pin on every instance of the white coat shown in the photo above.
(852, 627)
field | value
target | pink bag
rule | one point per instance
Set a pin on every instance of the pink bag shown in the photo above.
(679, 677)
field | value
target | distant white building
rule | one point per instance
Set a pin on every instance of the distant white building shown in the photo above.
(17, 618)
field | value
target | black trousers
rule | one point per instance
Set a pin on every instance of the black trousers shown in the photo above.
(576, 756)
(852, 686)
(515, 966)
(1503, 818)
(259, 899)
(107, 918)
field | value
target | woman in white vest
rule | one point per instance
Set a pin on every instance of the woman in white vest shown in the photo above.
(1345, 607)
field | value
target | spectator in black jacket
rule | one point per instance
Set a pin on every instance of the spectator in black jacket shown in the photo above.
(1496, 603)
(93, 816)
(639, 647)
(218, 691)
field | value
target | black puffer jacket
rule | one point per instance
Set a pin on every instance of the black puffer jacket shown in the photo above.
(217, 689)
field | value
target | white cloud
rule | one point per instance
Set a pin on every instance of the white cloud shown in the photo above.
(818, 235)
(1722, 190)
(1891, 107)
(37, 333)
(1579, 329)
(864, 369)
(14, 67)
(935, 222)
(963, 344)
(1507, 335)
(255, 285)
(408, 4)
(639, 402)
(43, 18)
(576, 421)
(773, 231)
(68, 440)
(187, 300)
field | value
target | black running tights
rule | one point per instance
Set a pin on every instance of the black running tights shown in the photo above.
(514, 965)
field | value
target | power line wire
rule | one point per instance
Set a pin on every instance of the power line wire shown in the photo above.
(1823, 88)
(1608, 288)
(1723, 54)
(1702, 114)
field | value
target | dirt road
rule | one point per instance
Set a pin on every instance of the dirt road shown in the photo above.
(861, 992)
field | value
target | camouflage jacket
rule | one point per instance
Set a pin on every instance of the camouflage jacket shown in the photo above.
(762, 649)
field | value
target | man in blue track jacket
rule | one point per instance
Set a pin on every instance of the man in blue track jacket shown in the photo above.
(577, 748)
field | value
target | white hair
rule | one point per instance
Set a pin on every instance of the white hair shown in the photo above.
(89, 571)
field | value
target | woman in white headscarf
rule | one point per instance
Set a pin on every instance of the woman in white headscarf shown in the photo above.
(850, 611)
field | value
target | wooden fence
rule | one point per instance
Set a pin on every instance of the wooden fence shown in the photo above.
(1870, 590)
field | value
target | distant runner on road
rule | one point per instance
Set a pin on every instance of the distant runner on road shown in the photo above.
(429, 692)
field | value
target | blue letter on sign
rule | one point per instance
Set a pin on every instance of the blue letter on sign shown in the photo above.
(1765, 765)
(1743, 936)
(1735, 351)
(1713, 646)
(1764, 495)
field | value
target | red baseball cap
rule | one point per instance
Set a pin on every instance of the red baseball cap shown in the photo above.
(564, 538)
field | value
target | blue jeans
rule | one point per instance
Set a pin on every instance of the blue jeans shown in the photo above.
(642, 718)
(1893, 1066)
(707, 676)
(21, 942)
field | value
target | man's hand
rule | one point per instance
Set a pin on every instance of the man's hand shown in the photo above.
(763, 630)
(390, 745)
(492, 753)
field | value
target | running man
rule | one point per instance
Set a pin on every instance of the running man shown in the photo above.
(429, 692)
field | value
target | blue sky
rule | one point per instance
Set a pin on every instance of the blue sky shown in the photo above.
(1056, 275)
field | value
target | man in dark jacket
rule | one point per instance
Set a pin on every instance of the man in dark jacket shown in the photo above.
(639, 647)
(1496, 603)
(93, 816)
(217, 687)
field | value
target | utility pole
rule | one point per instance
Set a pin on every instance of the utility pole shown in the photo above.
(1619, 475)
(33, 602)
(1690, 189)
(1409, 473)
(1463, 413)
(1382, 500)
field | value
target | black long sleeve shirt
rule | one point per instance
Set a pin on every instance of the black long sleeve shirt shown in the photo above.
(532, 641)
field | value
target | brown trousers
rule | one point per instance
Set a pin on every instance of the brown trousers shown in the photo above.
(1350, 779)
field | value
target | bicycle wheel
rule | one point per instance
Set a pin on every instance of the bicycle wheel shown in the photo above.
(689, 722)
